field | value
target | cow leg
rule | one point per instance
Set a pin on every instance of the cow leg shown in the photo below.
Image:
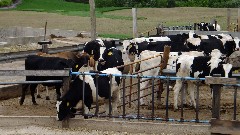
(86, 111)
(191, 88)
(32, 90)
(142, 86)
(58, 91)
(38, 95)
(47, 95)
(115, 100)
(24, 89)
(176, 89)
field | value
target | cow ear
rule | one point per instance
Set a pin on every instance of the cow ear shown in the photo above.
(79, 55)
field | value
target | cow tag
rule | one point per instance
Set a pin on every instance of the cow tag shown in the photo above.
(130, 46)
(110, 53)
(76, 66)
(67, 103)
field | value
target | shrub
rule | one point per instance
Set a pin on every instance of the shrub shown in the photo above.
(5, 3)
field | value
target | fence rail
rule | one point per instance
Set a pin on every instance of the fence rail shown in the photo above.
(67, 73)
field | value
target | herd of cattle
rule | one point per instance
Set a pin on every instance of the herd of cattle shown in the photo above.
(191, 55)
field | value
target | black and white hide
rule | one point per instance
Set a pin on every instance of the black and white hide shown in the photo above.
(198, 67)
(75, 93)
(34, 62)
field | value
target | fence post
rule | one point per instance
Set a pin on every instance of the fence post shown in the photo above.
(216, 90)
(93, 19)
(45, 45)
(217, 81)
(238, 20)
(65, 88)
(195, 26)
(228, 19)
(134, 14)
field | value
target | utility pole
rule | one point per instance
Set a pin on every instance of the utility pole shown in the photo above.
(93, 19)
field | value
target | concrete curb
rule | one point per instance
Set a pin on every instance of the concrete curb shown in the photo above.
(110, 125)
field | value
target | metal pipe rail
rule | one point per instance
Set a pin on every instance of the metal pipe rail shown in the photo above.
(23, 54)
(31, 82)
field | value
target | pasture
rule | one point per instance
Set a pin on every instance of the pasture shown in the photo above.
(120, 23)
(150, 18)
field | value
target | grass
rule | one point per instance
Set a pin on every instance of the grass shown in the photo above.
(111, 21)
(67, 8)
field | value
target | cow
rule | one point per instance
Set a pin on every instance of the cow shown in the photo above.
(110, 58)
(95, 48)
(156, 61)
(199, 67)
(34, 62)
(75, 93)
(225, 43)
(136, 46)
(75, 56)
(208, 27)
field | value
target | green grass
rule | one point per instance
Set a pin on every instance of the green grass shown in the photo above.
(51, 5)
(69, 8)
(119, 36)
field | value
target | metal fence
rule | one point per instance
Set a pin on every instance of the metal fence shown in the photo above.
(152, 115)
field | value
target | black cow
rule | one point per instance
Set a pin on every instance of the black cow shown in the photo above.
(75, 93)
(34, 62)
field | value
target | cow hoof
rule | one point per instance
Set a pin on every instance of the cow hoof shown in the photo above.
(21, 102)
(175, 109)
(47, 98)
(38, 96)
(34, 103)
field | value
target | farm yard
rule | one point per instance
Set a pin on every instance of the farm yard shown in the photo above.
(150, 18)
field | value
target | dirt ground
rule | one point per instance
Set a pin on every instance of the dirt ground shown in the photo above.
(45, 107)
(11, 107)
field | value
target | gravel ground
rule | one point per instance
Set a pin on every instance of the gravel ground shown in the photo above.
(11, 107)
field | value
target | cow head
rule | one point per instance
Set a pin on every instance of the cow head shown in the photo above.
(111, 57)
(129, 50)
(63, 109)
(93, 49)
(82, 60)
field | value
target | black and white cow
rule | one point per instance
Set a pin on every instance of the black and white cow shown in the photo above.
(208, 27)
(199, 67)
(206, 43)
(34, 62)
(95, 48)
(110, 58)
(75, 93)
(75, 56)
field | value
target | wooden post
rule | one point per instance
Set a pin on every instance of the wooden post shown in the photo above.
(163, 65)
(134, 14)
(195, 26)
(45, 45)
(65, 88)
(228, 19)
(45, 31)
(216, 81)
(93, 19)
(238, 27)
